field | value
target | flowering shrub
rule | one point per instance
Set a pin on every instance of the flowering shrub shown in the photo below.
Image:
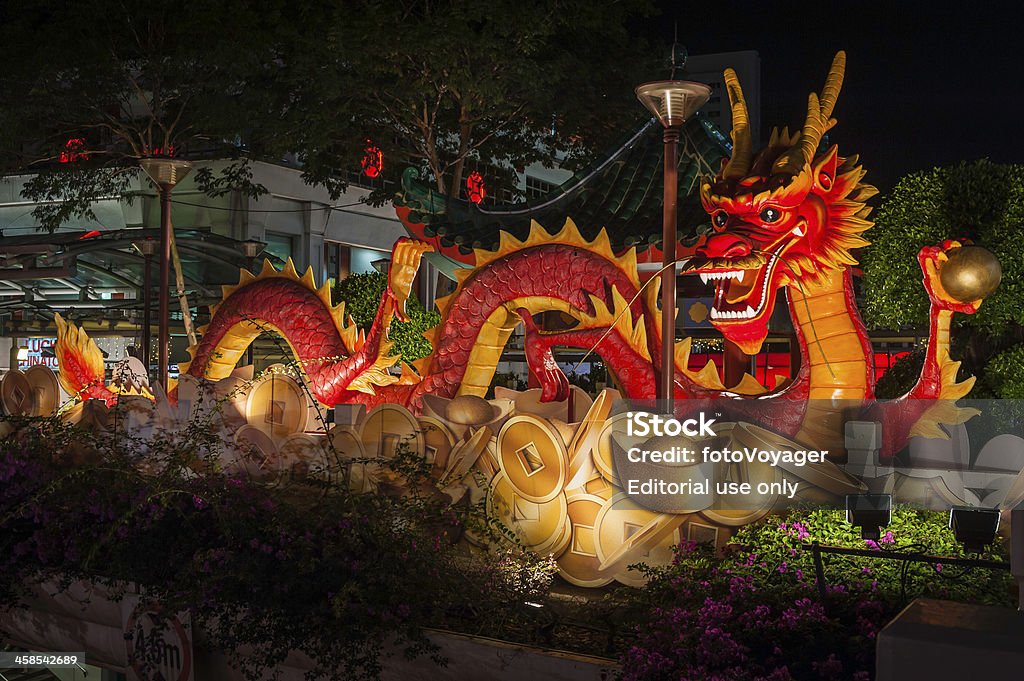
(756, 614)
(336, 574)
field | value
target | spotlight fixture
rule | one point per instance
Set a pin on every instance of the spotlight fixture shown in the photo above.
(869, 512)
(975, 528)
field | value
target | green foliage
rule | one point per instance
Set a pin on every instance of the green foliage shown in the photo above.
(264, 567)
(1005, 373)
(776, 544)
(362, 295)
(444, 86)
(749, 616)
(980, 200)
(137, 79)
(901, 376)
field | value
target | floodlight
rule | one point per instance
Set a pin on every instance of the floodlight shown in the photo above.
(869, 512)
(975, 528)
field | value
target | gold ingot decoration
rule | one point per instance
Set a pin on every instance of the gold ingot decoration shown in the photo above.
(45, 390)
(825, 475)
(970, 273)
(466, 453)
(529, 402)
(16, 394)
(277, 406)
(532, 456)
(541, 527)
(438, 441)
(467, 411)
(388, 427)
(579, 564)
(584, 441)
(628, 533)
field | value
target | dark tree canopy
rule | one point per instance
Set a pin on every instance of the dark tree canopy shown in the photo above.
(435, 85)
(110, 81)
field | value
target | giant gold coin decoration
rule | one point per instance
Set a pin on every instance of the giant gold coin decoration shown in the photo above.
(532, 456)
(627, 533)
(438, 441)
(580, 564)
(388, 427)
(16, 394)
(603, 458)
(300, 454)
(277, 406)
(542, 527)
(45, 390)
(257, 450)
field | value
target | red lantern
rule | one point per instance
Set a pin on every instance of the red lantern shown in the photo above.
(373, 160)
(73, 151)
(475, 189)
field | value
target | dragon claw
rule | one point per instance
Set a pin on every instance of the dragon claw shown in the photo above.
(932, 259)
(553, 381)
(405, 262)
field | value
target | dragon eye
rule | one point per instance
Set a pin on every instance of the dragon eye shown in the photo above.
(720, 218)
(770, 214)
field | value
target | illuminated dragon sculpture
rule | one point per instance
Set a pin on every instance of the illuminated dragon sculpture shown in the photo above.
(785, 219)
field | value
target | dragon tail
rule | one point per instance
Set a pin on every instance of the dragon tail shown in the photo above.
(81, 364)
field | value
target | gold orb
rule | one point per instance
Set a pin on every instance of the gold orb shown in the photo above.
(971, 273)
(469, 410)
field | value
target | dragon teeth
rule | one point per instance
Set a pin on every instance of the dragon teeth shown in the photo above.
(718, 276)
(749, 313)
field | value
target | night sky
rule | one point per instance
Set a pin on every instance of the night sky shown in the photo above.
(926, 83)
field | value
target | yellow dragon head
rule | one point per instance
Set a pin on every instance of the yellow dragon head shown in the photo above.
(780, 218)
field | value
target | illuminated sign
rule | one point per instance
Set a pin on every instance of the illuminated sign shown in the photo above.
(34, 356)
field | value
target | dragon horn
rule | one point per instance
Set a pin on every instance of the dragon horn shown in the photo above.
(742, 144)
(818, 121)
(833, 84)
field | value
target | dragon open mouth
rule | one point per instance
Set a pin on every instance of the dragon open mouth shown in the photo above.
(744, 295)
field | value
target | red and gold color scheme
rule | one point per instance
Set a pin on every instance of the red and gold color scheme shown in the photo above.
(786, 222)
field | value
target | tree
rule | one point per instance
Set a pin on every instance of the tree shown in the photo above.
(92, 87)
(436, 85)
(979, 200)
(439, 85)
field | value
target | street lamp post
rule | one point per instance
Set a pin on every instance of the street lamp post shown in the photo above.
(147, 247)
(251, 248)
(165, 174)
(671, 102)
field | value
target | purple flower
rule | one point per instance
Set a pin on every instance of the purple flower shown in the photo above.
(198, 502)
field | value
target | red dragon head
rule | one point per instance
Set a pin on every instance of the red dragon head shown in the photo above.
(780, 218)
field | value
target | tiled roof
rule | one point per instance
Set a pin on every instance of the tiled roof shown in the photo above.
(621, 192)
